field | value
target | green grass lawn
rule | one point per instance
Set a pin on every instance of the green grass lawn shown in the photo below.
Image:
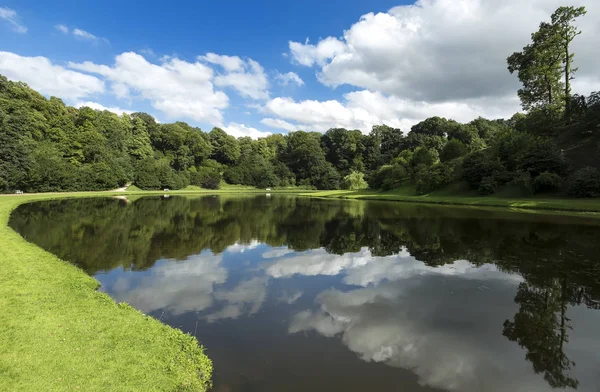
(57, 332)
(452, 197)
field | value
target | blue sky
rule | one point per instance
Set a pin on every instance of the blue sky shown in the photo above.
(365, 63)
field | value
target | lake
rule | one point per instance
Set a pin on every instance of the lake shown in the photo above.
(297, 294)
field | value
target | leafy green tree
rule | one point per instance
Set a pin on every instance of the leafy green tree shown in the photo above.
(277, 143)
(538, 67)
(344, 149)
(324, 175)
(452, 150)
(372, 157)
(146, 175)
(489, 129)
(284, 174)
(355, 181)
(542, 64)
(207, 176)
(468, 135)
(437, 176)
(49, 172)
(15, 154)
(306, 159)
(584, 182)
(424, 156)
(389, 177)
(547, 182)
(479, 166)
(391, 141)
(225, 148)
(139, 146)
(434, 126)
(562, 24)
(542, 155)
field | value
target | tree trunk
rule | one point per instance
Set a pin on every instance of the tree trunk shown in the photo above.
(563, 315)
(567, 82)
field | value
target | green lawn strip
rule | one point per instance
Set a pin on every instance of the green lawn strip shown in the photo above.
(57, 332)
(403, 195)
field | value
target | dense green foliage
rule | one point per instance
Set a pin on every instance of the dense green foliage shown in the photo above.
(47, 146)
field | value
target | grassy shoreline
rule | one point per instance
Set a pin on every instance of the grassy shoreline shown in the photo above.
(404, 194)
(58, 332)
(557, 205)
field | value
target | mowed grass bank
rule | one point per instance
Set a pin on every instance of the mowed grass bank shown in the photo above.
(57, 332)
(407, 194)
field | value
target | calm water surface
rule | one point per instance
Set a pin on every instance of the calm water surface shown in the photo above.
(297, 294)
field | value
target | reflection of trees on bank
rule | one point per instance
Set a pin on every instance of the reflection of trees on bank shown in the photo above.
(559, 264)
(541, 327)
(101, 234)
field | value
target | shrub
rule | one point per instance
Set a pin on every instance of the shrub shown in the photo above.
(174, 180)
(452, 150)
(233, 175)
(542, 155)
(388, 177)
(355, 181)
(522, 181)
(438, 176)
(584, 183)
(207, 177)
(146, 175)
(547, 182)
(487, 186)
(424, 156)
(478, 166)
(323, 175)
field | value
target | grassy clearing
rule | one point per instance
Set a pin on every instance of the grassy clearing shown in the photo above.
(407, 194)
(133, 188)
(57, 332)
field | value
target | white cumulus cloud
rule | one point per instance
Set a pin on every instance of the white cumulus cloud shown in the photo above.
(363, 109)
(229, 63)
(278, 123)
(241, 130)
(431, 58)
(178, 88)
(308, 55)
(441, 50)
(287, 78)
(246, 77)
(40, 74)
(98, 106)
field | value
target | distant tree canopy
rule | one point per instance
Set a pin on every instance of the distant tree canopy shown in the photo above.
(554, 147)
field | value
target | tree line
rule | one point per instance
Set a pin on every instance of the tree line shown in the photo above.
(48, 146)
